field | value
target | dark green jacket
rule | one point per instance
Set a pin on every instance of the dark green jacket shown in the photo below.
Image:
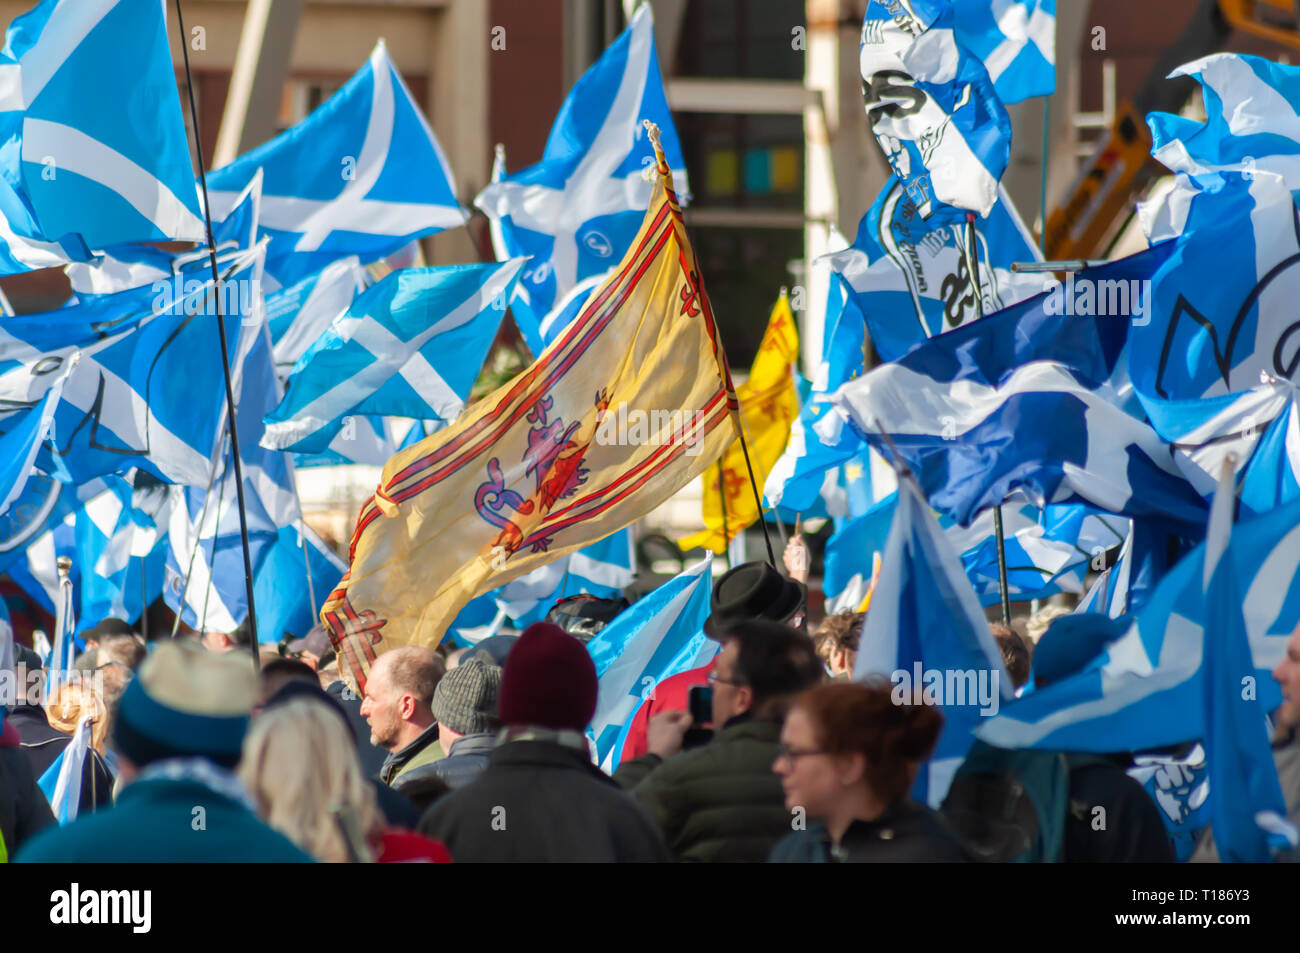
(160, 821)
(719, 802)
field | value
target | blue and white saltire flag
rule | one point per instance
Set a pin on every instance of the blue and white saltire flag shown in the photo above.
(933, 108)
(909, 277)
(601, 569)
(411, 345)
(40, 527)
(576, 212)
(61, 782)
(120, 557)
(1109, 594)
(1247, 810)
(1016, 42)
(205, 567)
(286, 604)
(1271, 478)
(362, 175)
(148, 389)
(633, 653)
(22, 442)
(134, 266)
(1179, 783)
(301, 313)
(1144, 691)
(1023, 402)
(98, 154)
(927, 634)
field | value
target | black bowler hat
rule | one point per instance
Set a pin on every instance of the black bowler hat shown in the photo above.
(752, 591)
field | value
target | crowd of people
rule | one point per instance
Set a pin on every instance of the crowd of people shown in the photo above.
(771, 752)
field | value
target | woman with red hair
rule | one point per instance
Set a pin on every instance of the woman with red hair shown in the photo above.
(849, 756)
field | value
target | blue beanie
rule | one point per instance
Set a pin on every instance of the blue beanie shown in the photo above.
(1071, 642)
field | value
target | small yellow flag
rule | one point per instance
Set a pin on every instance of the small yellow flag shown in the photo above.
(769, 405)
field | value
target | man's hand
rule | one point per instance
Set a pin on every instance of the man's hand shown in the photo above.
(798, 558)
(665, 732)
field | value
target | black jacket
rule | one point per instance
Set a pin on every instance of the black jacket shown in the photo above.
(1111, 818)
(23, 808)
(468, 758)
(906, 833)
(539, 801)
(372, 756)
(43, 744)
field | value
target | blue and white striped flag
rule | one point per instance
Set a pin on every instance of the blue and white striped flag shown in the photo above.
(638, 650)
(909, 276)
(1023, 401)
(1016, 42)
(927, 634)
(362, 175)
(411, 345)
(1144, 691)
(933, 108)
(88, 104)
(601, 569)
(576, 212)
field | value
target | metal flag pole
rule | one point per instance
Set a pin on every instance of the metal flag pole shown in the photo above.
(972, 253)
(225, 351)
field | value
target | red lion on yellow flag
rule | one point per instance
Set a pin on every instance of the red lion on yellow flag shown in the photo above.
(628, 405)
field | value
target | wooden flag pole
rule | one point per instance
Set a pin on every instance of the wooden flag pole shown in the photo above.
(972, 252)
(225, 351)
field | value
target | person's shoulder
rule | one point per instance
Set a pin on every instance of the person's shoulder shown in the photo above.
(798, 847)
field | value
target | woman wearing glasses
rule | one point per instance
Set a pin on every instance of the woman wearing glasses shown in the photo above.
(848, 758)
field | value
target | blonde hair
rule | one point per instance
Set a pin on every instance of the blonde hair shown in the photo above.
(300, 765)
(72, 701)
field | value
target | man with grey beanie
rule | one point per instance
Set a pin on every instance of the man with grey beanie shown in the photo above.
(465, 707)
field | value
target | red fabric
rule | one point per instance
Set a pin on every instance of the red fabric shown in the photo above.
(407, 847)
(9, 736)
(672, 694)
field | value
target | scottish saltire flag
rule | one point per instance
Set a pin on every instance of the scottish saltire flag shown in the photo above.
(909, 277)
(927, 634)
(205, 565)
(411, 345)
(633, 652)
(61, 782)
(362, 175)
(134, 266)
(37, 528)
(119, 556)
(932, 107)
(1179, 783)
(531, 472)
(811, 477)
(565, 310)
(301, 313)
(1109, 595)
(148, 387)
(283, 597)
(89, 107)
(577, 211)
(20, 444)
(1022, 402)
(1144, 691)
(601, 569)
(1016, 42)
(1271, 477)
(1247, 810)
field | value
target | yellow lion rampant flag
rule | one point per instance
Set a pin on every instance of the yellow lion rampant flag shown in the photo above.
(627, 406)
(769, 405)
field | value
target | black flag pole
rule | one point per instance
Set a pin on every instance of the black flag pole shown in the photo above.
(225, 351)
(972, 252)
(722, 500)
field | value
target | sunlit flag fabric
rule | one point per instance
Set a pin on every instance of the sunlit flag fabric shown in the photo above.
(1144, 691)
(362, 175)
(1016, 42)
(601, 569)
(768, 406)
(20, 444)
(909, 277)
(1023, 401)
(632, 653)
(933, 108)
(410, 345)
(205, 563)
(577, 211)
(286, 604)
(148, 388)
(523, 476)
(97, 152)
(926, 623)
